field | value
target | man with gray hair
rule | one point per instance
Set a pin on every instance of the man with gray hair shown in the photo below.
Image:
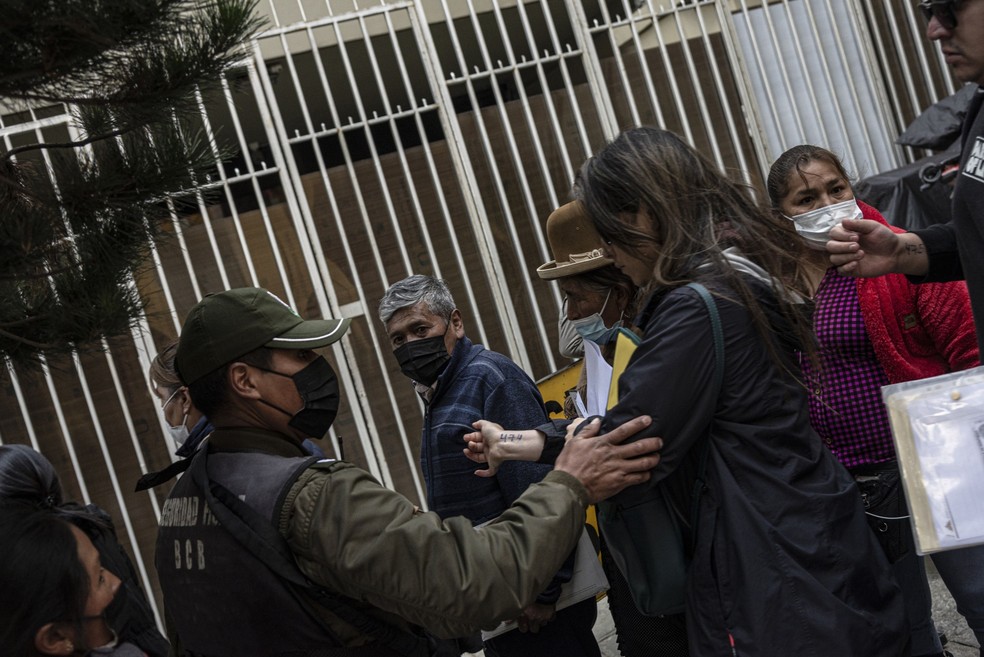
(460, 383)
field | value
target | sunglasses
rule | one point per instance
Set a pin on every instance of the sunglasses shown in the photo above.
(945, 11)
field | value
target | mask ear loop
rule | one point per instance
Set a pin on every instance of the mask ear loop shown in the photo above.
(605, 305)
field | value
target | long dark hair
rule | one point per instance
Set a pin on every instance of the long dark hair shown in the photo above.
(41, 577)
(695, 213)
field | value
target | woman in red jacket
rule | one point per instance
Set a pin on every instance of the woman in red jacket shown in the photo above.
(872, 332)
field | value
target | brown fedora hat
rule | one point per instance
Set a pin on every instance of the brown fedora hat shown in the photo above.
(577, 247)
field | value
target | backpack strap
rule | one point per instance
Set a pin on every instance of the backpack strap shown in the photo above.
(718, 333)
(258, 535)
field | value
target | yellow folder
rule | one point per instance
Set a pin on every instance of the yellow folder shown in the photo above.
(625, 345)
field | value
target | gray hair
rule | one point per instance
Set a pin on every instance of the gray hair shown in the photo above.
(413, 290)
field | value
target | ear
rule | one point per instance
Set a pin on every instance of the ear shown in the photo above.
(186, 404)
(241, 379)
(457, 325)
(52, 639)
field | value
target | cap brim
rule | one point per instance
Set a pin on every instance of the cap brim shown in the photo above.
(311, 334)
(552, 270)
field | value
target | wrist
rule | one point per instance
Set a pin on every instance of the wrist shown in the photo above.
(911, 257)
(520, 445)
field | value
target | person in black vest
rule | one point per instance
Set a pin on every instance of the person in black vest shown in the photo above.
(265, 550)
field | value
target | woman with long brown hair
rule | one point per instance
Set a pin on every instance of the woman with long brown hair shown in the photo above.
(783, 560)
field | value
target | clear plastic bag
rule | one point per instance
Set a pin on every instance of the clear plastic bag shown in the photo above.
(938, 427)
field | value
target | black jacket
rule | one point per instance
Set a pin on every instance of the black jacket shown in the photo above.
(785, 563)
(956, 248)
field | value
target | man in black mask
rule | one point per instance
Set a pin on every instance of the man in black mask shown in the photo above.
(461, 382)
(266, 550)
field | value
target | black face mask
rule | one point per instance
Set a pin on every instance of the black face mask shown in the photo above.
(318, 387)
(423, 360)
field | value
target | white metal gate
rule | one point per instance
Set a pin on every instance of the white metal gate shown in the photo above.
(378, 139)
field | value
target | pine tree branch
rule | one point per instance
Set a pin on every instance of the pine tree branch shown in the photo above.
(65, 144)
(47, 273)
(29, 342)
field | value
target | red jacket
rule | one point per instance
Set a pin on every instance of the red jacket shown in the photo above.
(917, 331)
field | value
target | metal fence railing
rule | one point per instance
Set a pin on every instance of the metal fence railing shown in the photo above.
(373, 140)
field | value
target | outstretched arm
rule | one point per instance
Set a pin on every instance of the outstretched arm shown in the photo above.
(865, 248)
(601, 463)
(492, 444)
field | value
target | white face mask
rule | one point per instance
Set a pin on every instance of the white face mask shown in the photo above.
(179, 434)
(815, 226)
(593, 326)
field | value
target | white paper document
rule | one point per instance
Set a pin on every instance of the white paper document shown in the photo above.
(587, 581)
(599, 374)
(951, 450)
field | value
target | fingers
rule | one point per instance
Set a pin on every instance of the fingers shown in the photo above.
(840, 233)
(627, 430)
(849, 269)
(639, 453)
(476, 456)
(581, 430)
(841, 248)
(859, 226)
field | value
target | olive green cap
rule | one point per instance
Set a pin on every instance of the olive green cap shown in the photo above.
(226, 325)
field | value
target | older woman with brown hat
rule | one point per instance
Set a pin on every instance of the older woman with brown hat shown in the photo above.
(598, 300)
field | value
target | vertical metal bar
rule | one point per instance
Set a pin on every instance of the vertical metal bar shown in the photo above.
(695, 78)
(565, 157)
(22, 404)
(871, 71)
(807, 78)
(541, 157)
(374, 445)
(825, 66)
(671, 77)
(516, 161)
(111, 469)
(882, 54)
(752, 112)
(852, 87)
(760, 64)
(565, 72)
(285, 160)
(620, 63)
(63, 426)
(592, 69)
(471, 193)
(631, 22)
(363, 120)
(719, 89)
(434, 177)
(237, 220)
